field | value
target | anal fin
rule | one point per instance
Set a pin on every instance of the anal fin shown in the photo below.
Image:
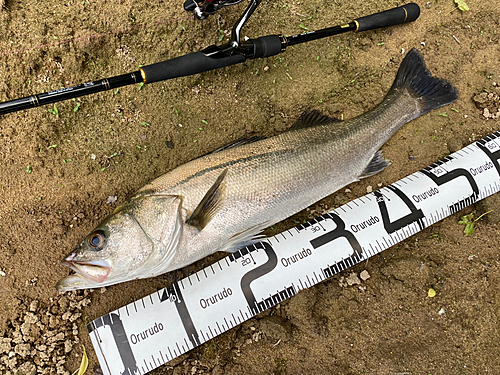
(377, 164)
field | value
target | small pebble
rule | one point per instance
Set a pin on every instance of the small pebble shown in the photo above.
(364, 275)
(369, 189)
(112, 199)
(352, 279)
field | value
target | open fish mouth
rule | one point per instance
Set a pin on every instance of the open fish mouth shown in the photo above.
(90, 274)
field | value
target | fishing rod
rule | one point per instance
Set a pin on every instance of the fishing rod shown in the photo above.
(215, 57)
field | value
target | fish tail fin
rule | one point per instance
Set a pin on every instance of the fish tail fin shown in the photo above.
(431, 91)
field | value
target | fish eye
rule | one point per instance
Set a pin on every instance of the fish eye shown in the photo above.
(97, 239)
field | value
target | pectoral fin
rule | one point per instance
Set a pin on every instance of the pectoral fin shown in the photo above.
(207, 208)
(245, 238)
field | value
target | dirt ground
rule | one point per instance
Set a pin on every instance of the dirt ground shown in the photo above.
(59, 170)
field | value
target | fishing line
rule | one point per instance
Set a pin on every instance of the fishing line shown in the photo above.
(99, 35)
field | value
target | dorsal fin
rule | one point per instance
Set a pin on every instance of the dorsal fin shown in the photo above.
(207, 208)
(312, 118)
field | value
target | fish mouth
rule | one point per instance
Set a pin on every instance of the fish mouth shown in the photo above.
(87, 275)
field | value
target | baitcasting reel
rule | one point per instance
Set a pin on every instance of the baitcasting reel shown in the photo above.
(207, 7)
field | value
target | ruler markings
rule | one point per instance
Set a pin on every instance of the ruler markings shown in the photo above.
(339, 239)
(316, 277)
(171, 355)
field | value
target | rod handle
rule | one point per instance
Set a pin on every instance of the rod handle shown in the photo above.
(186, 65)
(391, 17)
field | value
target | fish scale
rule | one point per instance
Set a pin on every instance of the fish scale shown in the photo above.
(222, 201)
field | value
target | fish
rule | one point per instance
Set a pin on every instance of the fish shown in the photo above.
(224, 200)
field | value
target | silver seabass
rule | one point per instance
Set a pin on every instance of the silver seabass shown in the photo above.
(222, 201)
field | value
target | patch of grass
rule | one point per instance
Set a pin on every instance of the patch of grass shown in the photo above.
(54, 111)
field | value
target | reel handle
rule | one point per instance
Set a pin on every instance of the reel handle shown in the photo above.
(391, 17)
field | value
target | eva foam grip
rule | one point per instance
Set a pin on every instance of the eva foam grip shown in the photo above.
(266, 46)
(391, 17)
(186, 65)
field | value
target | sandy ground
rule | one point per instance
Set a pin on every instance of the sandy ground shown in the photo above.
(58, 172)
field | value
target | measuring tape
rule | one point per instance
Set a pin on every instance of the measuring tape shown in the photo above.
(149, 332)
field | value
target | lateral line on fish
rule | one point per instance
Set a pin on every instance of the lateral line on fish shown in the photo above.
(230, 163)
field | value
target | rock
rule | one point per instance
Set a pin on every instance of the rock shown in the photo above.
(112, 199)
(33, 306)
(276, 328)
(63, 303)
(27, 368)
(67, 346)
(352, 279)
(364, 275)
(5, 346)
(22, 349)
(489, 103)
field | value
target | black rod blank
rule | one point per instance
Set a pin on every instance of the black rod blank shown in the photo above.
(214, 57)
